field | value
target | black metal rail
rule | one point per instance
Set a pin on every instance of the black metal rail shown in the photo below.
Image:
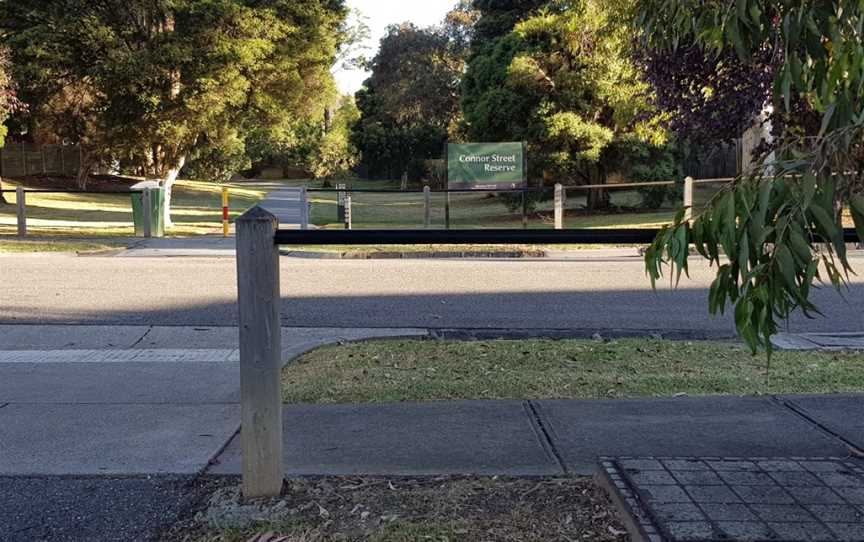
(464, 237)
(478, 237)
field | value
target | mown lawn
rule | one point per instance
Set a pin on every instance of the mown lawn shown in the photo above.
(56, 246)
(426, 370)
(473, 210)
(196, 210)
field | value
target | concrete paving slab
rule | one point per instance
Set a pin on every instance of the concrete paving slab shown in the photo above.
(88, 439)
(87, 337)
(850, 341)
(841, 414)
(488, 438)
(227, 337)
(793, 341)
(174, 355)
(819, 341)
(199, 247)
(718, 426)
(133, 382)
(63, 509)
(42, 337)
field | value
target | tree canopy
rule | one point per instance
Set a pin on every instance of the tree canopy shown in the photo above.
(562, 79)
(152, 82)
(759, 232)
(409, 104)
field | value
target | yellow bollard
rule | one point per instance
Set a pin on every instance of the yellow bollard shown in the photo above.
(225, 223)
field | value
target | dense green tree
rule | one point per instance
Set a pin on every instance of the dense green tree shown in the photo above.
(563, 81)
(410, 103)
(154, 81)
(8, 102)
(759, 231)
(334, 154)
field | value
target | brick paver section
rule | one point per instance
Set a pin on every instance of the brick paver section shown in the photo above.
(740, 499)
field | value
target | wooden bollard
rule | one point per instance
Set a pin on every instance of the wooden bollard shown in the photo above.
(258, 303)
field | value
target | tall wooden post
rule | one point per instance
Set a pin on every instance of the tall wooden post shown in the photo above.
(559, 206)
(427, 207)
(304, 209)
(21, 202)
(688, 198)
(226, 212)
(260, 353)
(524, 209)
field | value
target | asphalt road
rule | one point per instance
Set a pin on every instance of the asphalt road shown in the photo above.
(490, 294)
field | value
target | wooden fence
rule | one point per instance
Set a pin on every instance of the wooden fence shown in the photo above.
(23, 159)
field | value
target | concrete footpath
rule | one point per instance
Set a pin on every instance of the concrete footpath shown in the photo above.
(132, 416)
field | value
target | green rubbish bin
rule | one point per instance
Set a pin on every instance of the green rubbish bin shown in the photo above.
(157, 204)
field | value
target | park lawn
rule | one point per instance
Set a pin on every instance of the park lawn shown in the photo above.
(433, 509)
(471, 211)
(15, 246)
(196, 210)
(428, 370)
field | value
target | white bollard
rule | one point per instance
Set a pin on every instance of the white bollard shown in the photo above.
(688, 198)
(559, 206)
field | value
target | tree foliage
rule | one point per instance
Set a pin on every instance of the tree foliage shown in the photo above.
(708, 98)
(411, 100)
(563, 80)
(153, 81)
(777, 231)
(334, 155)
(8, 101)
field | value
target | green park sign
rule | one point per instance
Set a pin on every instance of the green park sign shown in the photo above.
(480, 166)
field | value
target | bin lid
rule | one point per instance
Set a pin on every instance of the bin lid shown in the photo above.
(144, 185)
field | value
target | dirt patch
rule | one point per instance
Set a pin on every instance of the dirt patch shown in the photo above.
(435, 509)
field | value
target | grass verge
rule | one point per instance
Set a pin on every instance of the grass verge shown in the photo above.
(54, 246)
(411, 510)
(425, 370)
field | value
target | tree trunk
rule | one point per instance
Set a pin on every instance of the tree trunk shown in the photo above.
(598, 199)
(85, 167)
(168, 184)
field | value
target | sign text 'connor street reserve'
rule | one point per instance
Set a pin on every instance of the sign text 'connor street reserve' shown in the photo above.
(486, 165)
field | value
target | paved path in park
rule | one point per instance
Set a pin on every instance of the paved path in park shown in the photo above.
(287, 204)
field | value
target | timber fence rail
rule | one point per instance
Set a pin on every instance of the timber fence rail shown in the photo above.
(21, 203)
(559, 192)
(147, 200)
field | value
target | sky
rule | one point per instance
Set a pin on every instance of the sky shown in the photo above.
(382, 13)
